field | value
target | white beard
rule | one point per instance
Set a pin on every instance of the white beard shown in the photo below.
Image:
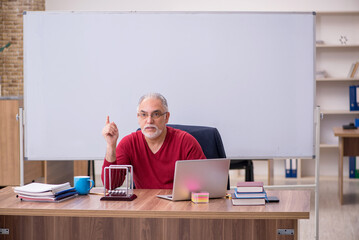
(151, 135)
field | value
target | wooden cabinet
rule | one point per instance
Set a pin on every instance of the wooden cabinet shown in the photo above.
(9, 143)
(10, 173)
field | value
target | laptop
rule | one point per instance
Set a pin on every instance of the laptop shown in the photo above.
(209, 175)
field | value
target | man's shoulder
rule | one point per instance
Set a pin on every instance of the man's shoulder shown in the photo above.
(179, 134)
(175, 131)
(189, 144)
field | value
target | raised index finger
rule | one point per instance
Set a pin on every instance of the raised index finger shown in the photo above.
(107, 119)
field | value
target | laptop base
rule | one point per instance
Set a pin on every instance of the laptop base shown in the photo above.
(167, 197)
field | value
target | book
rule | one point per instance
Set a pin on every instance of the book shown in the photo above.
(250, 195)
(356, 167)
(45, 194)
(243, 187)
(66, 191)
(248, 201)
(249, 198)
(353, 70)
(352, 161)
(41, 192)
(58, 198)
(249, 184)
(294, 167)
(287, 168)
(353, 98)
(42, 188)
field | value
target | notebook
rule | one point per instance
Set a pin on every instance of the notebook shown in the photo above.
(205, 175)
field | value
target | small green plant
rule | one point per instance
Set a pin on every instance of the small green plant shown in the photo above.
(6, 46)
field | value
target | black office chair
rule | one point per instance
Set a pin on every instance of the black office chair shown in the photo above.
(243, 164)
(212, 146)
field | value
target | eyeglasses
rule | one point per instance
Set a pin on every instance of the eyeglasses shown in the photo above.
(154, 115)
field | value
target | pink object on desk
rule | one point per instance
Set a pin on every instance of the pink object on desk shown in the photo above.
(200, 197)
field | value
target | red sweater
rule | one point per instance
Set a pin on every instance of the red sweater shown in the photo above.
(154, 171)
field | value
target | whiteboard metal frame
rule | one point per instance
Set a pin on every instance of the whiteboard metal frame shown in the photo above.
(85, 157)
(20, 119)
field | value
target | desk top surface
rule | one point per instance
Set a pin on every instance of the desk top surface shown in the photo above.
(340, 132)
(294, 204)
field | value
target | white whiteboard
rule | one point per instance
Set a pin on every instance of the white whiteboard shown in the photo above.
(251, 75)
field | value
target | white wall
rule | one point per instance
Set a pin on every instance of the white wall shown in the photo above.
(202, 5)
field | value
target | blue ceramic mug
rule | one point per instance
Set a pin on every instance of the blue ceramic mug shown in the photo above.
(83, 184)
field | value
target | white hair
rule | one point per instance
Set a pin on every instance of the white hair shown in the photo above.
(156, 96)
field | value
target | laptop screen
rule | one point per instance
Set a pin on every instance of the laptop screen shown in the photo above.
(209, 175)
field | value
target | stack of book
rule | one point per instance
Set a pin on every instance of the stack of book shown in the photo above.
(249, 193)
(41, 192)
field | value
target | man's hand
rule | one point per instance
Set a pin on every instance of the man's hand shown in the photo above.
(110, 133)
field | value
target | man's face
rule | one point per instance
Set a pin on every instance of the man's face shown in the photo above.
(152, 117)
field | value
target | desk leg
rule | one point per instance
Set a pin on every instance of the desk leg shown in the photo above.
(270, 171)
(340, 170)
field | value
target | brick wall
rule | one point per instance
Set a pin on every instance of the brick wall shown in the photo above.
(11, 30)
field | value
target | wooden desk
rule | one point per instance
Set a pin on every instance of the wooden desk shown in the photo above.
(348, 146)
(148, 217)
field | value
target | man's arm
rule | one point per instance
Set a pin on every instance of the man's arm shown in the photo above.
(110, 133)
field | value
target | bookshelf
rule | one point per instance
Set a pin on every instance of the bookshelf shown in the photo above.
(335, 57)
(337, 46)
(338, 112)
(338, 79)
